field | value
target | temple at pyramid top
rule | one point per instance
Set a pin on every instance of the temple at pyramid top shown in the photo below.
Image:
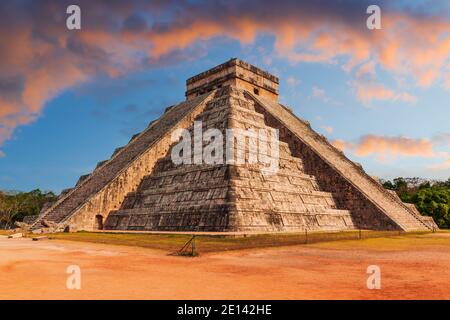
(237, 73)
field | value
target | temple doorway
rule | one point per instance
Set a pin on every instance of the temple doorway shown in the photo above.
(99, 222)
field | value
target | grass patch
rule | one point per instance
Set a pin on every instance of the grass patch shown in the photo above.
(393, 243)
(174, 242)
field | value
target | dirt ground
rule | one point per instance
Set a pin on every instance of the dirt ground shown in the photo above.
(411, 268)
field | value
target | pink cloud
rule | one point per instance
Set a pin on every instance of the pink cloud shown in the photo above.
(388, 147)
(373, 91)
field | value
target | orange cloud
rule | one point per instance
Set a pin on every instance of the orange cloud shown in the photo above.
(367, 89)
(388, 147)
(328, 129)
(402, 146)
(373, 91)
(5, 133)
(441, 166)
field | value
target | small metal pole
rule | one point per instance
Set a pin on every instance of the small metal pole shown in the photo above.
(306, 236)
(360, 235)
(193, 245)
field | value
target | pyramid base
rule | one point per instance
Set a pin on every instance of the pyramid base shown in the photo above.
(233, 221)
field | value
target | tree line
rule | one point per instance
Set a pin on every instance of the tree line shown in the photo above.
(15, 206)
(430, 198)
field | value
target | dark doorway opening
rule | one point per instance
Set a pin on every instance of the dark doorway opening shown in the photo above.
(99, 222)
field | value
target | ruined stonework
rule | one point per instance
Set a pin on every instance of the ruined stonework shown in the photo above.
(235, 73)
(315, 188)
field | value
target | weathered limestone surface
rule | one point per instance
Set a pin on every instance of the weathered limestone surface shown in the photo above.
(425, 219)
(30, 219)
(236, 73)
(230, 197)
(105, 189)
(371, 205)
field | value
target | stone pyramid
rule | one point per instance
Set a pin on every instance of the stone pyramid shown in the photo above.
(315, 187)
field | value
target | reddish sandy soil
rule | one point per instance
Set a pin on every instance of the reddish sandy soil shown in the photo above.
(334, 270)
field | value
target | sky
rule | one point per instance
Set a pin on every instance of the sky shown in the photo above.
(68, 98)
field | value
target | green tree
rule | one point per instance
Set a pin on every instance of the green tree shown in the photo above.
(9, 208)
(14, 207)
(388, 185)
(400, 185)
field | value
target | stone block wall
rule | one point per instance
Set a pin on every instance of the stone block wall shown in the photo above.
(230, 197)
(236, 73)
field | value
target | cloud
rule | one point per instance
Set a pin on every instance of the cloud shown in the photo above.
(318, 92)
(442, 165)
(40, 58)
(328, 129)
(321, 94)
(366, 72)
(442, 139)
(387, 148)
(341, 144)
(367, 89)
(408, 45)
(395, 146)
(2, 154)
(372, 91)
(292, 81)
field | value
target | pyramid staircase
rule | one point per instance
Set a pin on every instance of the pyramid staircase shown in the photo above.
(230, 197)
(405, 218)
(111, 171)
